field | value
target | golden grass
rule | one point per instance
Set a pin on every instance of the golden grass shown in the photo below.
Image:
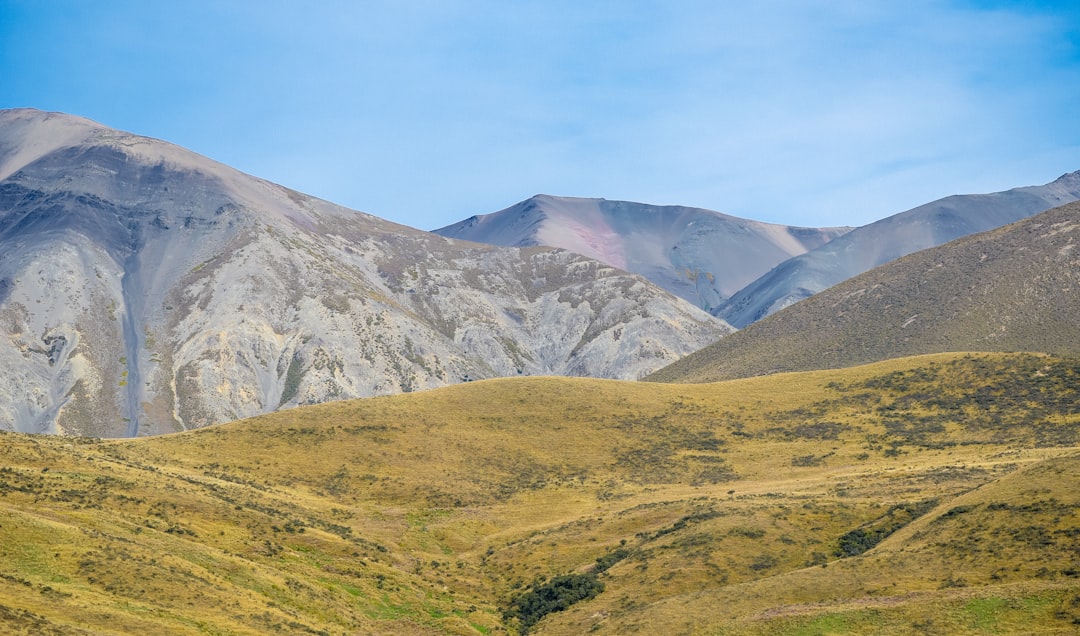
(427, 512)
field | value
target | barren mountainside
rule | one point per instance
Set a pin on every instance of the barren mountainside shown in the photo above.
(880, 242)
(700, 255)
(146, 289)
(1016, 288)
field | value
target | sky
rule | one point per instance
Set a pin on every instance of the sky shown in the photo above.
(426, 112)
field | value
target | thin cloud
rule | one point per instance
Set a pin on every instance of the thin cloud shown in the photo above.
(811, 113)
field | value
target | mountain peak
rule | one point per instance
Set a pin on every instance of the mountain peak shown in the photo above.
(700, 255)
(27, 134)
(145, 289)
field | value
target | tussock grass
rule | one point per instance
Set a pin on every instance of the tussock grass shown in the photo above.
(431, 512)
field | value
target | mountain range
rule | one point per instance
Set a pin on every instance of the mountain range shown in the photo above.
(697, 254)
(743, 270)
(146, 289)
(866, 247)
(1016, 288)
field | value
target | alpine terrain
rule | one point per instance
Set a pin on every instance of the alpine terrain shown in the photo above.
(878, 243)
(1016, 288)
(700, 255)
(146, 289)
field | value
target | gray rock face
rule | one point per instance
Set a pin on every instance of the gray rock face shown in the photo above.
(699, 255)
(145, 289)
(883, 241)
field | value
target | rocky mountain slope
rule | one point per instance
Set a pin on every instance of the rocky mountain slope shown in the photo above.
(1016, 288)
(146, 289)
(878, 243)
(700, 255)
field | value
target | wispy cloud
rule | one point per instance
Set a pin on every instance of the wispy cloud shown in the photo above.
(424, 112)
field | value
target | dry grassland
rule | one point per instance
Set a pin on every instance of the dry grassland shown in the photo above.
(937, 495)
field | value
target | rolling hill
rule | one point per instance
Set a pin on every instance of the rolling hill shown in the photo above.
(145, 289)
(699, 255)
(1016, 288)
(869, 246)
(933, 494)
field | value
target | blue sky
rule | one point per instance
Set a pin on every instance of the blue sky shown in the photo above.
(806, 112)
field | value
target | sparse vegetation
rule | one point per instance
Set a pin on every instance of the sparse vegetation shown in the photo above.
(572, 506)
(294, 374)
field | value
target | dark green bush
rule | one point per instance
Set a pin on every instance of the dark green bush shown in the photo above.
(610, 559)
(858, 541)
(869, 535)
(553, 596)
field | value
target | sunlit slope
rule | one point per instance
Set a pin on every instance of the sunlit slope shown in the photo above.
(433, 512)
(145, 289)
(700, 255)
(1000, 559)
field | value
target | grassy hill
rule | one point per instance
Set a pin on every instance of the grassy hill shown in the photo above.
(1016, 288)
(935, 493)
(999, 559)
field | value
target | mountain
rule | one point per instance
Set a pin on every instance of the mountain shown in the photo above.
(878, 243)
(699, 255)
(937, 491)
(1016, 288)
(146, 289)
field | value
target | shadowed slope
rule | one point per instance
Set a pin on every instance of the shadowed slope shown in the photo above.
(878, 243)
(1012, 289)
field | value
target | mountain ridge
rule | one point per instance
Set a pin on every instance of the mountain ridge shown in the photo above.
(700, 255)
(890, 238)
(147, 289)
(1015, 288)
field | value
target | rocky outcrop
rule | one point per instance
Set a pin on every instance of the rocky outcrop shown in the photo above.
(146, 289)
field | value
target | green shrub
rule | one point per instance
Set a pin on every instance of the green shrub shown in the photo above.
(610, 559)
(869, 535)
(553, 596)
